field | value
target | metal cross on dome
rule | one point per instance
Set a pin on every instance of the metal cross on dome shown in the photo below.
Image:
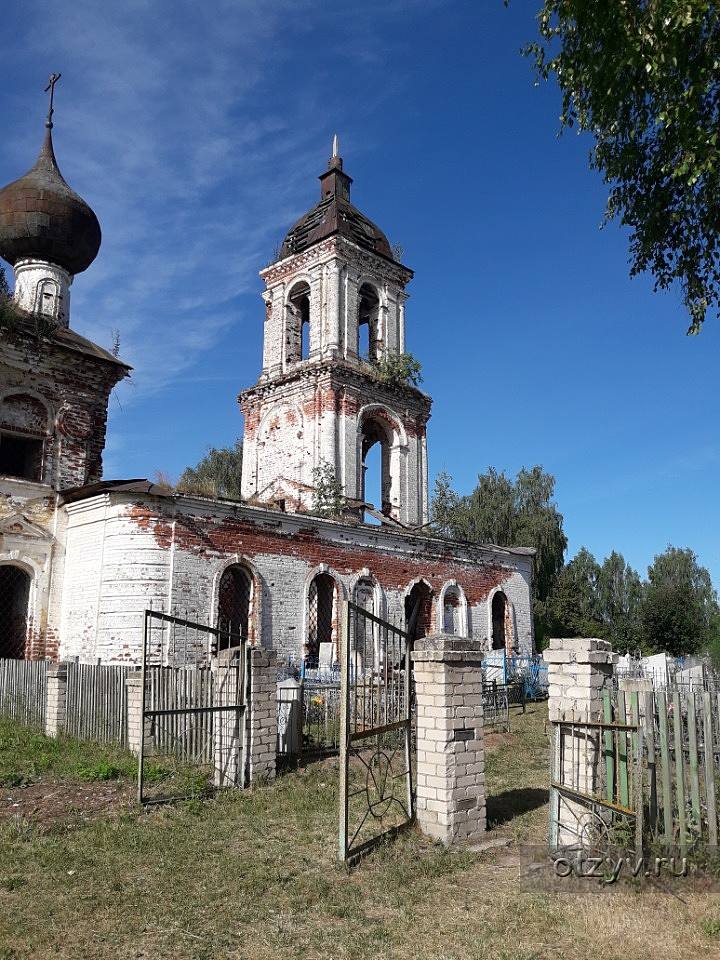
(54, 77)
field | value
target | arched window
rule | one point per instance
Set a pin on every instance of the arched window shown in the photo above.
(376, 481)
(297, 330)
(452, 612)
(235, 596)
(499, 617)
(14, 598)
(23, 428)
(418, 611)
(322, 616)
(369, 345)
(48, 299)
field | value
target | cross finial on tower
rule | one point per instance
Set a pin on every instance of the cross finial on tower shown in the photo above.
(335, 146)
(54, 77)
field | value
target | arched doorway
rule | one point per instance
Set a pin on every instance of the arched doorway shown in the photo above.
(418, 611)
(499, 616)
(235, 596)
(14, 598)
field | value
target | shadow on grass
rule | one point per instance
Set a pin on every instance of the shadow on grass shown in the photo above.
(502, 807)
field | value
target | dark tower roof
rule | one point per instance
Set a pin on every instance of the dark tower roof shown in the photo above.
(335, 215)
(42, 218)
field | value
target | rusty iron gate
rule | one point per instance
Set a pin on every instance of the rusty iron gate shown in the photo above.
(595, 786)
(377, 797)
(195, 691)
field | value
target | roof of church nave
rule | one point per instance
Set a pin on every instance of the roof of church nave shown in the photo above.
(42, 218)
(334, 214)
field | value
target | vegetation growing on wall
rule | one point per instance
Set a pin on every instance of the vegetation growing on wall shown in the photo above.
(216, 475)
(400, 370)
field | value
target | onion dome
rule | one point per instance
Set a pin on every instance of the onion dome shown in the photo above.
(335, 215)
(41, 218)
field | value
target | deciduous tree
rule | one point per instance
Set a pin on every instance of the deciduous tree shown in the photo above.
(216, 475)
(643, 78)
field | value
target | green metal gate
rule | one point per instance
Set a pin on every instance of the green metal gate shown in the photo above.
(377, 796)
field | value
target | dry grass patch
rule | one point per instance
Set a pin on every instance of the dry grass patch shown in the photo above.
(255, 875)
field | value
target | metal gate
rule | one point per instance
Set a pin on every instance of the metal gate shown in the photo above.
(596, 786)
(376, 764)
(194, 695)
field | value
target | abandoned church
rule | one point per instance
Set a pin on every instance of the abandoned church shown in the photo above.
(82, 557)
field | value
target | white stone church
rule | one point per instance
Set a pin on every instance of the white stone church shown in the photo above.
(82, 557)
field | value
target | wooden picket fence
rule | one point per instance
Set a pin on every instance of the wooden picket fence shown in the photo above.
(23, 691)
(96, 706)
(678, 735)
(188, 733)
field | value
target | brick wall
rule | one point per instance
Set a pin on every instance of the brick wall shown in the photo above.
(125, 552)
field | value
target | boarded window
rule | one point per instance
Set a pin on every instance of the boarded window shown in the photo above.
(452, 609)
(234, 606)
(14, 597)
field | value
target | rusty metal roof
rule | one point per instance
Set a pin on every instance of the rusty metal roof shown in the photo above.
(334, 214)
(42, 217)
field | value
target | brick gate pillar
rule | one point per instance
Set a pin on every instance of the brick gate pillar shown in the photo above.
(56, 699)
(262, 714)
(579, 671)
(450, 748)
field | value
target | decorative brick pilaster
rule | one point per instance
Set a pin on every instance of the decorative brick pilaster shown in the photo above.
(450, 749)
(262, 715)
(56, 699)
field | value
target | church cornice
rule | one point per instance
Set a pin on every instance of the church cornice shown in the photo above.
(339, 375)
(344, 249)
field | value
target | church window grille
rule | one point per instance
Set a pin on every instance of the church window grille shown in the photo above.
(234, 606)
(322, 613)
(14, 599)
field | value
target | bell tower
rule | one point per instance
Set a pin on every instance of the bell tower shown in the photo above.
(327, 394)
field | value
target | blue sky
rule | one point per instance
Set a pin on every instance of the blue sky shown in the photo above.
(197, 131)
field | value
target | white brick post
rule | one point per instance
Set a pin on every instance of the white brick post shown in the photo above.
(56, 699)
(262, 715)
(133, 685)
(450, 747)
(579, 671)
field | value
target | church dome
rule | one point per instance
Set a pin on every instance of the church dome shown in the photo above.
(41, 218)
(335, 215)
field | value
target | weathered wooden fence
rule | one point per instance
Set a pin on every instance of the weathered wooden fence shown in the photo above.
(23, 691)
(96, 704)
(680, 743)
(187, 733)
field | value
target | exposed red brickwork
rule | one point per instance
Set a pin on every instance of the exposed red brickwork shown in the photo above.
(228, 537)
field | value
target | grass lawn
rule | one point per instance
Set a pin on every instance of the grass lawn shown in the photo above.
(255, 874)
